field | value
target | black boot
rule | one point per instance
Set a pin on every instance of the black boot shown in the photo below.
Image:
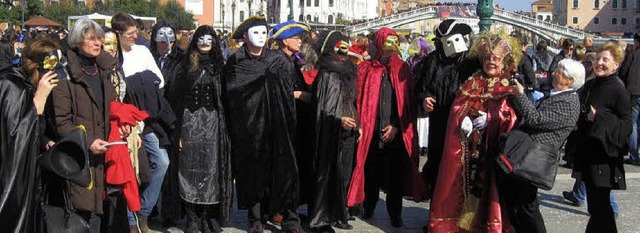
(205, 220)
(192, 218)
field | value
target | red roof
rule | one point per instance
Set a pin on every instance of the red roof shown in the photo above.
(41, 21)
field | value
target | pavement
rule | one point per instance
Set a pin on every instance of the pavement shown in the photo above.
(559, 216)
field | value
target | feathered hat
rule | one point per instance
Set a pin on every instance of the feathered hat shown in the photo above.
(498, 44)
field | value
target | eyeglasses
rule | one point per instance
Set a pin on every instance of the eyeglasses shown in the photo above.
(92, 39)
(129, 34)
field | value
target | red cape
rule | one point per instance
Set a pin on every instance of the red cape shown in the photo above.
(368, 89)
(453, 207)
(119, 170)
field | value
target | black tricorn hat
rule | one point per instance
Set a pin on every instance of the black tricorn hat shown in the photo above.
(452, 27)
(69, 158)
(248, 23)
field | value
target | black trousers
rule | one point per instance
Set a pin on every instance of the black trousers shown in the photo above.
(522, 203)
(599, 206)
(437, 129)
(384, 169)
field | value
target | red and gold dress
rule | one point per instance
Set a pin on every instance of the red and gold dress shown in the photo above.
(466, 197)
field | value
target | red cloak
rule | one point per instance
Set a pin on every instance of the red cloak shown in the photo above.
(463, 201)
(368, 90)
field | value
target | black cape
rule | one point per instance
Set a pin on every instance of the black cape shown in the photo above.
(261, 116)
(19, 134)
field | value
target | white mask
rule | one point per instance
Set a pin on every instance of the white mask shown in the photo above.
(257, 35)
(453, 44)
(205, 40)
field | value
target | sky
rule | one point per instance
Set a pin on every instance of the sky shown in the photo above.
(510, 5)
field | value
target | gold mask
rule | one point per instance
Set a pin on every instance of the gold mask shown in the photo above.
(391, 44)
(342, 47)
(50, 62)
(110, 43)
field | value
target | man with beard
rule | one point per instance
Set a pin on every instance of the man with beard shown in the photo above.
(387, 154)
(443, 71)
(288, 37)
(261, 114)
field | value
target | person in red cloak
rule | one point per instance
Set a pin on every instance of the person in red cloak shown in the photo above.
(387, 150)
(466, 198)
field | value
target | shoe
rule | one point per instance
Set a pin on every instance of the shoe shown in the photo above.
(351, 218)
(632, 162)
(343, 225)
(367, 214)
(571, 198)
(396, 222)
(144, 224)
(257, 227)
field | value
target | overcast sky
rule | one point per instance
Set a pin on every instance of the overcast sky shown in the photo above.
(510, 5)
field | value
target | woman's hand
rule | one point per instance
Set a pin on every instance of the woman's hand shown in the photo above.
(591, 116)
(302, 96)
(125, 130)
(49, 145)
(47, 82)
(517, 87)
(97, 147)
(348, 123)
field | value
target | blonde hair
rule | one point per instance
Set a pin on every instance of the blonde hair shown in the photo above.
(616, 52)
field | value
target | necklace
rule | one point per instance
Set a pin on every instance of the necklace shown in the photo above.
(94, 72)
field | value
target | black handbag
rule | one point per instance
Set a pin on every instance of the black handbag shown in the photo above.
(528, 160)
(62, 219)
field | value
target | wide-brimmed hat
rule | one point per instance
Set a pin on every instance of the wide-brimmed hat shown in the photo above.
(248, 23)
(288, 29)
(69, 158)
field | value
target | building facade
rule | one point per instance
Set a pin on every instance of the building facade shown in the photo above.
(322, 11)
(542, 10)
(605, 17)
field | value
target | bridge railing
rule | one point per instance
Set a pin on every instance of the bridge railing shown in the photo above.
(526, 19)
(392, 18)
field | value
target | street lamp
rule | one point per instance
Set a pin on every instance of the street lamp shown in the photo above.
(222, 14)
(233, 16)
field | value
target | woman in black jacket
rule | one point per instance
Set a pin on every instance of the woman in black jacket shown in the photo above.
(604, 127)
(204, 161)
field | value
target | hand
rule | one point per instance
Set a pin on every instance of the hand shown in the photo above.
(359, 134)
(47, 82)
(97, 147)
(389, 133)
(180, 144)
(49, 145)
(481, 121)
(591, 116)
(125, 130)
(139, 140)
(517, 87)
(348, 123)
(302, 96)
(466, 126)
(428, 104)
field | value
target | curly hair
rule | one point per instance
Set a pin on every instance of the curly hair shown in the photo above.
(616, 51)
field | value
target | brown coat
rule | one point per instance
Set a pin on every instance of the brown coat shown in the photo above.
(74, 105)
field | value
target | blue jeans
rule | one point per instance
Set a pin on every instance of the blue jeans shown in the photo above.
(159, 162)
(633, 139)
(580, 192)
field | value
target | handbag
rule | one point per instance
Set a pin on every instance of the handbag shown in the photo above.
(62, 219)
(528, 160)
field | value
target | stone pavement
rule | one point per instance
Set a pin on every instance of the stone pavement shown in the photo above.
(559, 216)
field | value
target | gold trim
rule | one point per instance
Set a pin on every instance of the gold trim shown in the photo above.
(286, 27)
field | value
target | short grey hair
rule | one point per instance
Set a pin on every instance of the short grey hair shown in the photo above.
(573, 69)
(80, 28)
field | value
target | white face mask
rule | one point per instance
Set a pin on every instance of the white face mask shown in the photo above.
(453, 44)
(257, 35)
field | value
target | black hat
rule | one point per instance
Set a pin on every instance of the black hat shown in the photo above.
(452, 27)
(249, 23)
(69, 158)
(327, 40)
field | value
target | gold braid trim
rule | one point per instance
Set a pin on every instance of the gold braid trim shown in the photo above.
(469, 211)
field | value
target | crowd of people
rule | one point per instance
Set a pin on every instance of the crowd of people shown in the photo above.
(178, 125)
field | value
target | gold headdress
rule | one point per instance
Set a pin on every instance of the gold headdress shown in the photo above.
(500, 44)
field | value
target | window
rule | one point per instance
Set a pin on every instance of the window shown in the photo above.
(638, 21)
(614, 4)
(575, 20)
(317, 3)
(576, 3)
(308, 2)
(301, 18)
(596, 4)
(539, 17)
(315, 18)
(308, 18)
(301, 3)
(330, 19)
(623, 21)
(596, 20)
(330, 3)
(241, 16)
(624, 4)
(614, 21)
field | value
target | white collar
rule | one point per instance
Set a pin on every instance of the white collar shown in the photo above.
(555, 92)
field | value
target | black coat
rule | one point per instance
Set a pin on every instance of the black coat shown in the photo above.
(630, 72)
(527, 74)
(19, 136)
(261, 115)
(603, 143)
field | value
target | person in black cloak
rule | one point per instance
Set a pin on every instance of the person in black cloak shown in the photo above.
(336, 132)
(204, 170)
(168, 56)
(288, 37)
(436, 85)
(23, 124)
(261, 116)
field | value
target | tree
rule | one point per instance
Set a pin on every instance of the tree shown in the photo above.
(175, 13)
(33, 9)
(10, 15)
(61, 11)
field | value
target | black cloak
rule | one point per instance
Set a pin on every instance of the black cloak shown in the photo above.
(19, 140)
(261, 116)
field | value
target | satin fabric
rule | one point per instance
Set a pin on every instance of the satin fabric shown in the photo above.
(464, 201)
(368, 84)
